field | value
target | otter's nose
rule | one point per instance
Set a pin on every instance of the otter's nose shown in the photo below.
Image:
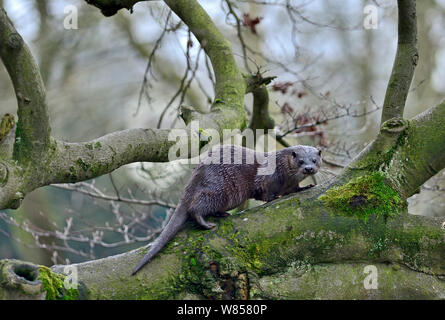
(309, 170)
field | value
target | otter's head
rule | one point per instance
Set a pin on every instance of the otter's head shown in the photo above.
(306, 160)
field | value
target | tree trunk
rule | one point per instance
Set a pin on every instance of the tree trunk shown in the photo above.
(348, 238)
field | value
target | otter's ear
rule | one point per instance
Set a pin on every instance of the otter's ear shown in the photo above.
(294, 154)
(319, 151)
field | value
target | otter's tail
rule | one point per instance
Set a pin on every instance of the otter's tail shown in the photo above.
(177, 220)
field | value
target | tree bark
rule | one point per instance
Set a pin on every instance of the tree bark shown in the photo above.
(405, 62)
(294, 237)
(313, 244)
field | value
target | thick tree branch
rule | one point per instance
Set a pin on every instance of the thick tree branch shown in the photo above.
(33, 129)
(407, 153)
(74, 162)
(420, 153)
(261, 118)
(405, 62)
(255, 245)
(227, 110)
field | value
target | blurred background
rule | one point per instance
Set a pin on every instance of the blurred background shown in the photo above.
(135, 70)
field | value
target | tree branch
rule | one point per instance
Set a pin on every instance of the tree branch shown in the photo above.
(44, 160)
(420, 153)
(227, 110)
(33, 129)
(74, 162)
(246, 249)
(261, 118)
(405, 62)
(80, 188)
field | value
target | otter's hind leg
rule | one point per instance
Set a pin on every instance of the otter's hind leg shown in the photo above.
(205, 203)
(200, 220)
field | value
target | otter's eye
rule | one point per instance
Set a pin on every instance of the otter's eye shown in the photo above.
(314, 160)
(300, 162)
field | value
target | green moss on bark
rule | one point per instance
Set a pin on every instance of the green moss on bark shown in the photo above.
(53, 285)
(363, 197)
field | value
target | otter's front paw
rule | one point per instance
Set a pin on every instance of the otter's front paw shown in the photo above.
(221, 214)
(272, 198)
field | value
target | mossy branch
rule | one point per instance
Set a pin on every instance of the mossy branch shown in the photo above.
(227, 110)
(419, 153)
(33, 129)
(406, 152)
(74, 162)
(261, 118)
(405, 62)
(248, 250)
(25, 281)
(303, 232)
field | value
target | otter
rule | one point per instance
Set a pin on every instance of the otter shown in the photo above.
(229, 175)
